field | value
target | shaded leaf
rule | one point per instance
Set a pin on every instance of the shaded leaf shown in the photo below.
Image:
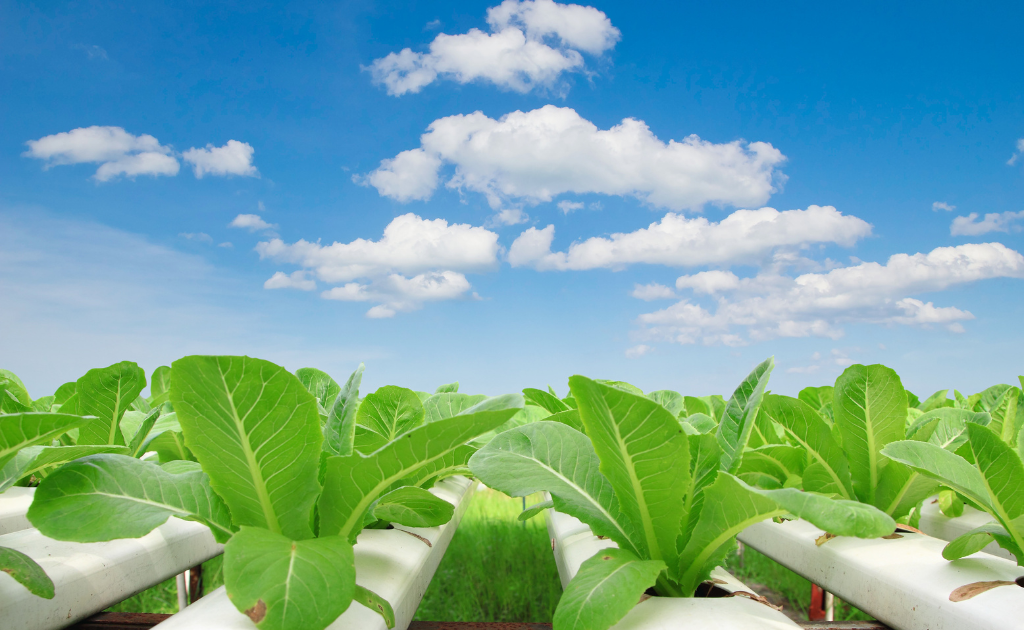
(607, 586)
(740, 414)
(339, 431)
(413, 507)
(376, 603)
(19, 430)
(324, 388)
(26, 572)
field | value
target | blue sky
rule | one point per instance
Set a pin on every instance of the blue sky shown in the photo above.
(135, 135)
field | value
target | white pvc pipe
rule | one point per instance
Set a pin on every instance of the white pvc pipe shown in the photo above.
(935, 523)
(89, 577)
(389, 562)
(904, 583)
(14, 504)
(573, 543)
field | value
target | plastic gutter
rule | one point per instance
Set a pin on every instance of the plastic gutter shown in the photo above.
(573, 543)
(390, 562)
(935, 523)
(14, 504)
(89, 577)
(903, 582)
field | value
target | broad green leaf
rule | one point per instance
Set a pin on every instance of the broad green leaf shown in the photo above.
(64, 392)
(446, 405)
(569, 417)
(805, 428)
(912, 399)
(816, 397)
(704, 463)
(979, 538)
(140, 404)
(136, 443)
(552, 457)
(42, 404)
(103, 497)
(696, 405)
(527, 415)
(836, 516)
(941, 465)
(339, 432)
(989, 398)
(950, 503)
(160, 386)
(717, 406)
(622, 385)
(384, 415)
(607, 586)
(9, 402)
(281, 584)
(33, 460)
(413, 507)
(455, 462)
(937, 400)
(740, 414)
(256, 430)
(18, 430)
(783, 463)
(107, 393)
(730, 506)
(544, 399)
(644, 454)
(900, 488)
(170, 446)
(1004, 416)
(702, 423)
(130, 423)
(353, 483)
(945, 426)
(1003, 472)
(320, 384)
(10, 381)
(870, 411)
(670, 400)
(26, 572)
(450, 388)
(535, 509)
(376, 603)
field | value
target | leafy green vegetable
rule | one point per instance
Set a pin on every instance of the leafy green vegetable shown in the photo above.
(20, 430)
(607, 587)
(384, 415)
(256, 431)
(26, 572)
(320, 384)
(413, 507)
(107, 393)
(283, 583)
(339, 431)
(740, 414)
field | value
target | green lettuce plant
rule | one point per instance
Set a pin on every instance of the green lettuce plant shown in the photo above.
(279, 482)
(670, 500)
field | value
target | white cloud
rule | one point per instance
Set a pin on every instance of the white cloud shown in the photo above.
(251, 222)
(652, 291)
(709, 282)
(517, 54)
(226, 245)
(942, 205)
(993, 222)
(1020, 151)
(568, 206)
(817, 304)
(638, 351)
(201, 237)
(745, 236)
(535, 156)
(234, 158)
(296, 280)
(509, 216)
(114, 149)
(415, 261)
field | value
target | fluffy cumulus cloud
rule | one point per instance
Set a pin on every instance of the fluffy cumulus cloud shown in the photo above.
(942, 205)
(772, 305)
(120, 153)
(114, 149)
(294, 280)
(234, 158)
(414, 262)
(745, 236)
(993, 222)
(251, 222)
(535, 156)
(531, 43)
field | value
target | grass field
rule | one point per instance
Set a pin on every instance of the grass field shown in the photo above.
(499, 569)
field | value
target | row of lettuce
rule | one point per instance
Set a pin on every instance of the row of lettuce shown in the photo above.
(287, 469)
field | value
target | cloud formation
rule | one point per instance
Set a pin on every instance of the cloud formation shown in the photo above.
(251, 222)
(530, 44)
(415, 261)
(234, 158)
(1016, 155)
(114, 149)
(745, 236)
(993, 222)
(942, 205)
(772, 305)
(295, 280)
(120, 153)
(537, 155)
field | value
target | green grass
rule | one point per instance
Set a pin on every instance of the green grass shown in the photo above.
(496, 568)
(760, 569)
